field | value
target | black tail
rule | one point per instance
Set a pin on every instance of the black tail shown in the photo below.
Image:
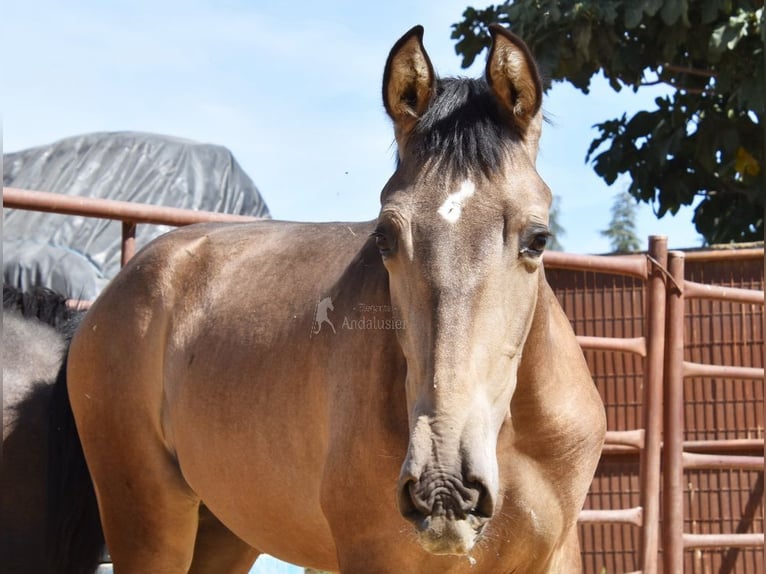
(74, 539)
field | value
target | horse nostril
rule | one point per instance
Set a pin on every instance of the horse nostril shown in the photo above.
(412, 504)
(458, 499)
(418, 504)
(481, 501)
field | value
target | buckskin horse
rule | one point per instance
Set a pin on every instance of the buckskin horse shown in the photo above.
(464, 439)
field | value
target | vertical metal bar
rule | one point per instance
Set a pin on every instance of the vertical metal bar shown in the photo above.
(673, 491)
(652, 403)
(128, 241)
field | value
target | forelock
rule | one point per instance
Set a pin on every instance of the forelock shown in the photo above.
(464, 129)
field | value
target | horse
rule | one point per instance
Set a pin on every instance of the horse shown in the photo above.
(449, 425)
(37, 326)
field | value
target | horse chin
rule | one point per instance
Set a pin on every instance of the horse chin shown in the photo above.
(441, 535)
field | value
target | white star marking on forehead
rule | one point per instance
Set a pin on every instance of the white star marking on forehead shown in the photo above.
(452, 207)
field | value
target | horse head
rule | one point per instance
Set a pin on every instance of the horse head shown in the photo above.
(461, 231)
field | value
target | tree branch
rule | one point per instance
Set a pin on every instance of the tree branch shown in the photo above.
(676, 86)
(689, 70)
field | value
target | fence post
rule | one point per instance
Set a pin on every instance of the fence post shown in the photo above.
(128, 242)
(652, 402)
(673, 471)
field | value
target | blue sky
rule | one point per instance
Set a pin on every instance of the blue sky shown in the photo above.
(293, 89)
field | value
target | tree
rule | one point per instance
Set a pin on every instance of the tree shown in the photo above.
(705, 138)
(557, 231)
(622, 227)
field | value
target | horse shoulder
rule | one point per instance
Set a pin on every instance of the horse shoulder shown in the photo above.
(557, 428)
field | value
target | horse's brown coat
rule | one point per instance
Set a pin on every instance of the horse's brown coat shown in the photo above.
(453, 391)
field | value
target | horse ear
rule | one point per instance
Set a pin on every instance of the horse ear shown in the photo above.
(513, 76)
(408, 82)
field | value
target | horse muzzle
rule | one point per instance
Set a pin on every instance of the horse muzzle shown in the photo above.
(447, 511)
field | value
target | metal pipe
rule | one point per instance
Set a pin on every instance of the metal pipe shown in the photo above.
(754, 445)
(715, 461)
(110, 209)
(673, 490)
(737, 253)
(78, 304)
(693, 290)
(632, 438)
(619, 450)
(128, 242)
(654, 332)
(743, 540)
(635, 345)
(632, 265)
(623, 516)
(724, 371)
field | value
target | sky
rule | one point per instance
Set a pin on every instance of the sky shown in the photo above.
(291, 88)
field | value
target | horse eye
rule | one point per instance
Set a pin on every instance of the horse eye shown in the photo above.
(536, 245)
(383, 242)
(539, 242)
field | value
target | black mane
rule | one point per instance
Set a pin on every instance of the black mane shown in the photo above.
(465, 126)
(42, 303)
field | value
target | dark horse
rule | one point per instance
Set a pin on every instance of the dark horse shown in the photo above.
(450, 424)
(44, 528)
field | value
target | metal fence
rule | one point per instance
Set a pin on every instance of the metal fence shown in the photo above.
(617, 307)
(712, 459)
(722, 415)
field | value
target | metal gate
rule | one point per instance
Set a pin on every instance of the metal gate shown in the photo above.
(718, 453)
(721, 494)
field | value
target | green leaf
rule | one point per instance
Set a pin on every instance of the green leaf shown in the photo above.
(609, 13)
(710, 9)
(641, 124)
(651, 7)
(582, 35)
(727, 35)
(672, 10)
(634, 11)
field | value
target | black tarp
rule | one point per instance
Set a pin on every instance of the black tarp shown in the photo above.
(77, 256)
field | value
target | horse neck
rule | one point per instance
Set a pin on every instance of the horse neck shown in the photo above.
(556, 408)
(363, 281)
(552, 368)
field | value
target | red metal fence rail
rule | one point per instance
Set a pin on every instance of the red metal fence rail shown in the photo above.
(677, 454)
(129, 213)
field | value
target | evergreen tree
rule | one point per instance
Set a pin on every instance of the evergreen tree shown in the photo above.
(557, 231)
(622, 227)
